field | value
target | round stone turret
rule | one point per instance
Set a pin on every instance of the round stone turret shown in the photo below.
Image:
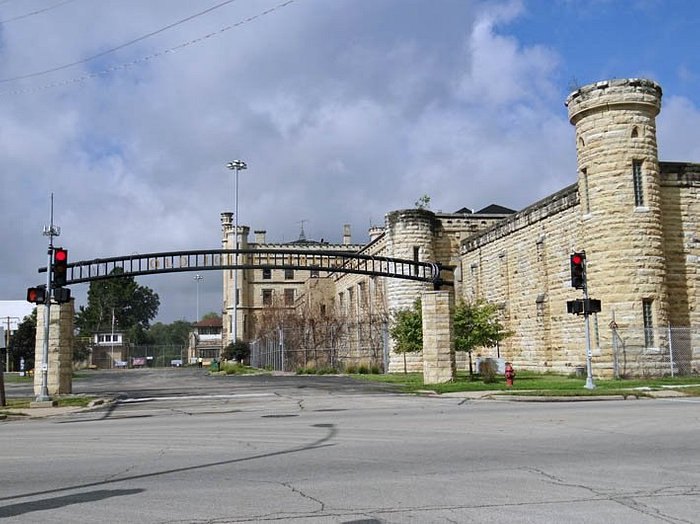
(410, 234)
(619, 190)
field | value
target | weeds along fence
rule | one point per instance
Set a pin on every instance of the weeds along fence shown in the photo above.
(331, 348)
(671, 351)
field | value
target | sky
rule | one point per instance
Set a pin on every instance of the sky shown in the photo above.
(128, 112)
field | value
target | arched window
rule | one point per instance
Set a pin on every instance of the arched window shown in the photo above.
(635, 132)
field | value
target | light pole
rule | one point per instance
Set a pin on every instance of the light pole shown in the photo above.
(237, 166)
(197, 278)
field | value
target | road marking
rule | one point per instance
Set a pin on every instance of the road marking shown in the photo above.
(195, 397)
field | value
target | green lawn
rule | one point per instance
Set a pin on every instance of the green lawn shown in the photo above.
(533, 383)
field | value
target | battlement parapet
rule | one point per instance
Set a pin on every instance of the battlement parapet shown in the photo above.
(611, 93)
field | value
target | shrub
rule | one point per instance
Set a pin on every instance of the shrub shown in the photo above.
(238, 350)
(351, 368)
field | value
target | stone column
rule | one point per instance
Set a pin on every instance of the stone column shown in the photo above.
(60, 373)
(438, 337)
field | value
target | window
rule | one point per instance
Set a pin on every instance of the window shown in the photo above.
(586, 196)
(237, 296)
(637, 179)
(351, 300)
(289, 274)
(362, 293)
(648, 323)
(314, 273)
(267, 274)
(416, 256)
(267, 297)
(288, 297)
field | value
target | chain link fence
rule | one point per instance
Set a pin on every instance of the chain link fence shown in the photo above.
(672, 351)
(331, 347)
(128, 356)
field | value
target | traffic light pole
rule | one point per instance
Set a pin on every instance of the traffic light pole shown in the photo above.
(49, 231)
(44, 394)
(589, 367)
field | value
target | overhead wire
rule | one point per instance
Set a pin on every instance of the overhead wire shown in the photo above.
(88, 76)
(33, 13)
(117, 48)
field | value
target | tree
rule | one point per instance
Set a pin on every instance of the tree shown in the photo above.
(121, 300)
(407, 330)
(423, 202)
(477, 325)
(174, 334)
(23, 342)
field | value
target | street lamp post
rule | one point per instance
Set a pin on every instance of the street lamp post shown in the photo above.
(197, 278)
(237, 166)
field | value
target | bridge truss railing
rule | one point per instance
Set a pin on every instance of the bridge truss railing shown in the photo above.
(221, 259)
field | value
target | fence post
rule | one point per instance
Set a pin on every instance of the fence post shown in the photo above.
(281, 334)
(385, 346)
(670, 348)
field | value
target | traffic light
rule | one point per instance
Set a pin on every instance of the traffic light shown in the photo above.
(61, 295)
(578, 270)
(60, 267)
(36, 295)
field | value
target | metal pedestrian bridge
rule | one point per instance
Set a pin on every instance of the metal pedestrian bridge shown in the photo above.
(222, 259)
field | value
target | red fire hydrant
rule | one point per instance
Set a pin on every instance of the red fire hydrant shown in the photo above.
(510, 374)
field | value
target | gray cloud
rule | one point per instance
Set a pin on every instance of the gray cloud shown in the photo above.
(342, 110)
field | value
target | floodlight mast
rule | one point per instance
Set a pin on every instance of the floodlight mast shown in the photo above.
(49, 231)
(237, 166)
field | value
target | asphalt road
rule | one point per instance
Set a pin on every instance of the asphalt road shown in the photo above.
(181, 446)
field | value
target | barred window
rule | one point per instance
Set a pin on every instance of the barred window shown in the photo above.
(586, 193)
(267, 297)
(289, 297)
(637, 179)
(648, 322)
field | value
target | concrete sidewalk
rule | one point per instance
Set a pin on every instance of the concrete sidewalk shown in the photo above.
(43, 412)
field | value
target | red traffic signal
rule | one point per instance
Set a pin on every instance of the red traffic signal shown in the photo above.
(578, 270)
(60, 267)
(36, 295)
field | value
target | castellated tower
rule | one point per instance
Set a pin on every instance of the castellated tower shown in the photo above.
(410, 234)
(620, 226)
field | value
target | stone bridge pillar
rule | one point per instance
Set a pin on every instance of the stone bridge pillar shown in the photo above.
(60, 373)
(438, 337)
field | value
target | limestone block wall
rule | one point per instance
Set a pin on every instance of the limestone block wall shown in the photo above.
(680, 200)
(438, 338)
(522, 265)
(60, 363)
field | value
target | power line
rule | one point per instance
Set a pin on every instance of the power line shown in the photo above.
(83, 78)
(27, 15)
(112, 50)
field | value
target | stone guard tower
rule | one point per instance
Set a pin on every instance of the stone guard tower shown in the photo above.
(620, 199)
